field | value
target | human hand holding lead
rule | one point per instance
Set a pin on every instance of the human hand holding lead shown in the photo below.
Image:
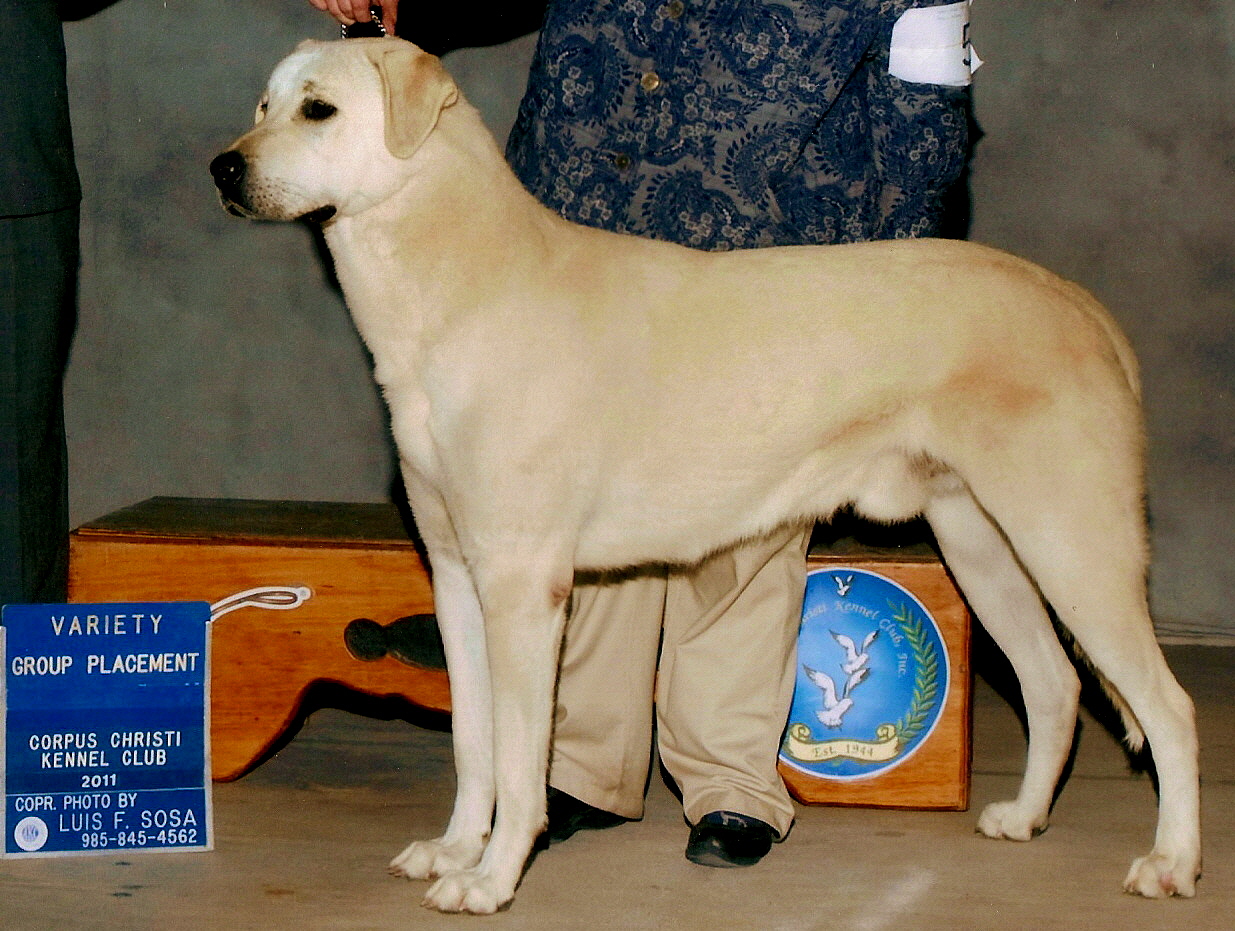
(348, 12)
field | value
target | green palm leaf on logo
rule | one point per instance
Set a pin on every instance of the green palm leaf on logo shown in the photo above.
(926, 683)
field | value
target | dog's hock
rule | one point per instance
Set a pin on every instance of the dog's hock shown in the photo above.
(416, 88)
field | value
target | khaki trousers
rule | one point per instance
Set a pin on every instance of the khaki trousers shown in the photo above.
(722, 696)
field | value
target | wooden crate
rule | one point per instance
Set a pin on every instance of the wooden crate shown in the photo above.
(303, 572)
(863, 760)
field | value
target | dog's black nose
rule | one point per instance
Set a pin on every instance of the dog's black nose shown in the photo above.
(228, 170)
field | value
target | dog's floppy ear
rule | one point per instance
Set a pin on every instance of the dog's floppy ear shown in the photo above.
(416, 89)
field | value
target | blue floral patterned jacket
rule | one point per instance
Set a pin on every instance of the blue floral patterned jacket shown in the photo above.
(736, 123)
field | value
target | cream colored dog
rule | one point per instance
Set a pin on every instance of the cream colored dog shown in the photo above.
(567, 399)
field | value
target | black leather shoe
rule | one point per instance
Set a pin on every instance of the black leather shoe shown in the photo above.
(568, 815)
(726, 838)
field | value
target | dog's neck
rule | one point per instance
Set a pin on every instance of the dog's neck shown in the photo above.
(401, 263)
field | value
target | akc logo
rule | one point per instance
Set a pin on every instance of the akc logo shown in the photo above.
(871, 680)
(31, 833)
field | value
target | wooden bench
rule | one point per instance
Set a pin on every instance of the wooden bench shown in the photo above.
(285, 580)
(305, 592)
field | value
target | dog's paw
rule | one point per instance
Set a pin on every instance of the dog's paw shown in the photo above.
(1007, 820)
(472, 891)
(1160, 876)
(428, 859)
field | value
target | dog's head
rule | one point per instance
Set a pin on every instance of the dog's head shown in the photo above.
(335, 130)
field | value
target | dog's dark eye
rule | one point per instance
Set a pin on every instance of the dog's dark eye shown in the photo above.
(318, 110)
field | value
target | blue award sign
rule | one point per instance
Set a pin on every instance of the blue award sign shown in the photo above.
(105, 711)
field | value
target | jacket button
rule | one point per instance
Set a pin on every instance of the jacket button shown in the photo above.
(650, 81)
(674, 9)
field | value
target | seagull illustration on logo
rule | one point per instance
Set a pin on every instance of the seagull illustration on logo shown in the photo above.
(843, 585)
(855, 659)
(855, 667)
(834, 708)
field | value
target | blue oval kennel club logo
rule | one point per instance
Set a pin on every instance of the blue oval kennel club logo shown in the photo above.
(871, 680)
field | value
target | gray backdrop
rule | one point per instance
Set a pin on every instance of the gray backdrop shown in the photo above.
(214, 356)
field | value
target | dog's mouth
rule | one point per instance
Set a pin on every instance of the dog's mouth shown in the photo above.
(320, 216)
(317, 217)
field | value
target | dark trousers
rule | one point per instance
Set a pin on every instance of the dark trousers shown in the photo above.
(39, 258)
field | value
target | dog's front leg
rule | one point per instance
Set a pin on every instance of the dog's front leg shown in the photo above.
(462, 626)
(525, 613)
(461, 846)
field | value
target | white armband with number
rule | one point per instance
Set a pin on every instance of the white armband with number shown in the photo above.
(930, 45)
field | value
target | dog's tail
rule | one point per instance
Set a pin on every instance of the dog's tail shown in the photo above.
(1114, 335)
(1134, 735)
(1123, 351)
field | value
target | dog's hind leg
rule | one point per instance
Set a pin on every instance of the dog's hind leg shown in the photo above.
(463, 638)
(1010, 608)
(1087, 558)
(524, 598)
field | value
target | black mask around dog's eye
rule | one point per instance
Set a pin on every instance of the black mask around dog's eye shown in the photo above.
(318, 110)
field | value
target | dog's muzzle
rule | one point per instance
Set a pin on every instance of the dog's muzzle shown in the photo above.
(228, 171)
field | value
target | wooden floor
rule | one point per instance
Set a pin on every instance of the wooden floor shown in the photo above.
(302, 843)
